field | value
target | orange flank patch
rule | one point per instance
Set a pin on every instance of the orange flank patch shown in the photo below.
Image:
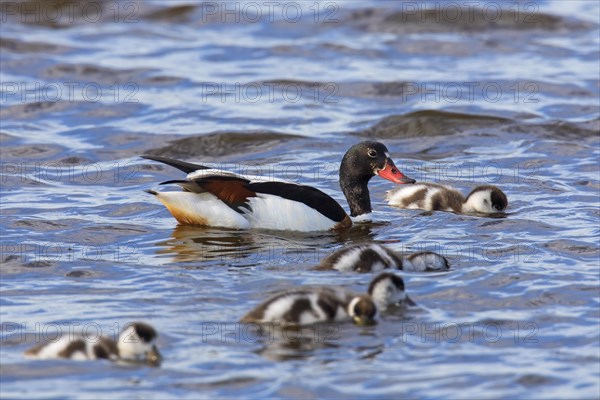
(184, 217)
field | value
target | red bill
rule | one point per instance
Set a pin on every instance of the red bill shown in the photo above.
(391, 173)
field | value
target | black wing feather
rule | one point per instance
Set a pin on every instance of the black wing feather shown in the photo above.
(181, 165)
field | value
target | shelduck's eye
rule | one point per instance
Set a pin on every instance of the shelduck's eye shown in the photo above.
(372, 153)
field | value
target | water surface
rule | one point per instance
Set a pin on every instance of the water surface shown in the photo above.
(510, 100)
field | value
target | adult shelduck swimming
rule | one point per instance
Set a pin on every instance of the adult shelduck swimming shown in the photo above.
(311, 305)
(220, 198)
(136, 342)
(485, 199)
(373, 257)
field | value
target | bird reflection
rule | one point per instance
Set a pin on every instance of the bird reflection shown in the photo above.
(299, 343)
(196, 243)
(295, 343)
(247, 248)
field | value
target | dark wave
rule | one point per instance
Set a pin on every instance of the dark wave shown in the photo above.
(95, 73)
(461, 18)
(20, 46)
(430, 123)
(442, 123)
(223, 144)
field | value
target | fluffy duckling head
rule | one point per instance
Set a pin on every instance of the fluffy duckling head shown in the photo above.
(363, 310)
(486, 199)
(387, 289)
(137, 343)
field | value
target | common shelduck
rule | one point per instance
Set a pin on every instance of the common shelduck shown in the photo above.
(220, 198)
(485, 199)
(136, 342)
(310, 305)
(374, 257)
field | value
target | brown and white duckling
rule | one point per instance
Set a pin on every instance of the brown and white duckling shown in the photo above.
(375, 257)
(306, 306)
(485, 199)
(136, 342)
(225, 199)
(387, 289)
(310, 305)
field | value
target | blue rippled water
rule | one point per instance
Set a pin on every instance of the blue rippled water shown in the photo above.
(462, 93)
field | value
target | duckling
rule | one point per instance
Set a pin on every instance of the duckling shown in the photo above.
(306, 306)
(425, 261)
(311, 305)
(135, 343)
(485, 199)
(375, 258)
(387, 289)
